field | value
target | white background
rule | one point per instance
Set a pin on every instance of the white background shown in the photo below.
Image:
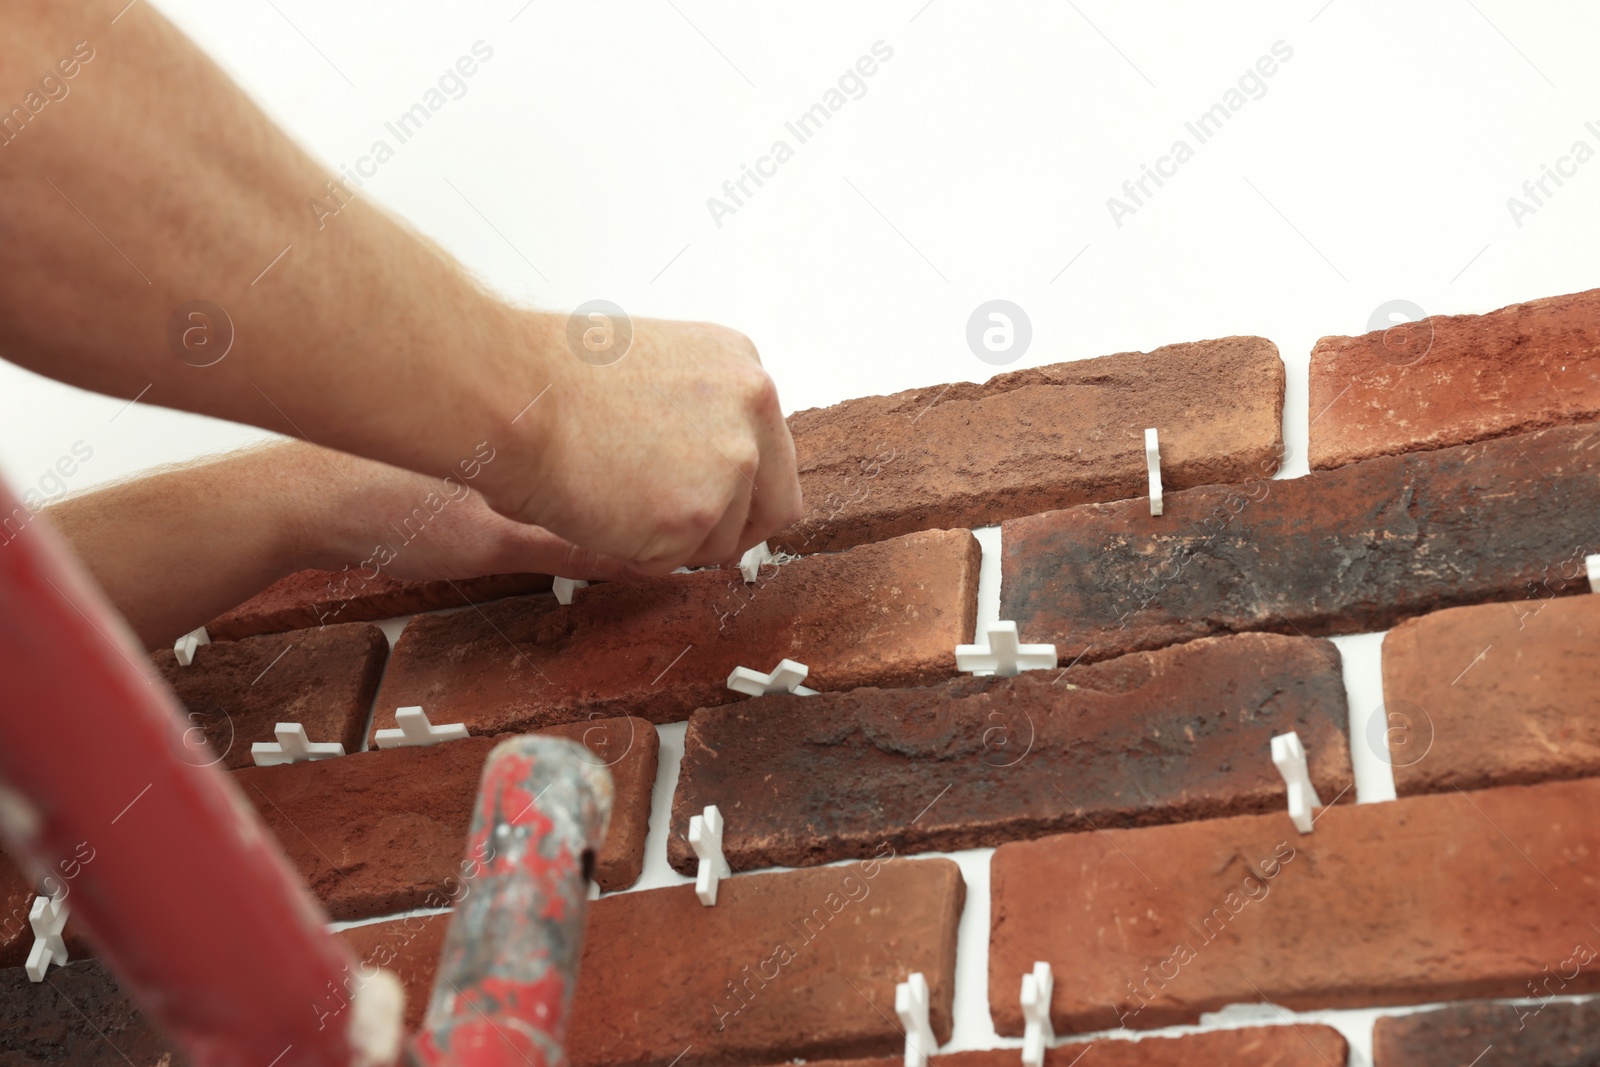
(977, 166)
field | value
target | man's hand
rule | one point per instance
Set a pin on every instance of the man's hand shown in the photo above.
(676, 454)
(175, 549)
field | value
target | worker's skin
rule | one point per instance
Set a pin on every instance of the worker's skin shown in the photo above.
(153, 182)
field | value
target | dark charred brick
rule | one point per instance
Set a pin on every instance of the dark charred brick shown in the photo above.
(1182, 733)
(797, 964)
(76, 1016)
(1442, 897)
(1035, 439)
(235, 692)
(1496, 694)
(882, 614)
(319, 598)
(1453, 379)
(1546, 1033)
(1351, 550)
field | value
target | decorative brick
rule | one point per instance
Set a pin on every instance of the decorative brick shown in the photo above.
(1454, 379)
(78, 1016)
(1427, 898)
(235, 692)
(384, 831)
(1181, 733)
(1300, 1045)
(797, 964)
(407, 948)
(1351, 550)
(1498, 1035)
(883, 614)
(318, 598)
(1495, 694)
(1050, 437)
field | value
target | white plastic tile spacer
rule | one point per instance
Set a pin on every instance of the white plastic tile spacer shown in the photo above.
(785, 678)
(184, 646)
(1592, 564)
(751, 562)
(1152, 460)
(47, 917)
(1039, 1033)
(563, 587)
(911, 1003)
(1289, 756)
(1004, 655)
(292, 747)
(705, 837)
(415, 729)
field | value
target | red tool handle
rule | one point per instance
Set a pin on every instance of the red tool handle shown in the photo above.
(510, 960)
(185, 893)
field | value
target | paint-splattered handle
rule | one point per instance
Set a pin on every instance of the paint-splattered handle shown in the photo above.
(510, 959)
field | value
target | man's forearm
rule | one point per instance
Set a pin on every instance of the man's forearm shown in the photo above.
(154, 182)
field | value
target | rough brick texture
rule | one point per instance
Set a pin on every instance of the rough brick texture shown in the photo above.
(16, 899)
(1350, 550)
(1031, 440)
(1252, 1046)
(1454, 379)
(79, 1017)
(380, 832)
(797, 964)
(1181, 733)
(317, 598)
(236, 691)
(1428, 898)
(1499, 1035)
(1494, 694)
(407, 948)
(883, 614)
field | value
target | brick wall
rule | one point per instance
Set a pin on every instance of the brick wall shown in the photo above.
(1118, 817)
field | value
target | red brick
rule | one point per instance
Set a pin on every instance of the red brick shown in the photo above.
(379, 832)
(1300, 1045)
(883, 614)
(1455, 379)
(1427, 898)
(1350, 550)
(407, 948)
(1496, 694)
(1036, 439)
(659, 971)
(78, 1016)
(16, 900)
(1181, 733)
(1546, 1033)
(316, 598)
(235, 692)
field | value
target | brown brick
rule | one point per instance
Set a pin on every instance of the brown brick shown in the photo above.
(1181, 733)
(317, 598)
(883, 614)
(1427, 898)
(1495, 694)
(1455, 379)
(747, 982)
(1350, 550)
(407, 948)
(1497, 1035)
(77, 1016)
(1036, 439)
(1300, 1045)
(235, 692)
(383, 831)
(16, 900)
